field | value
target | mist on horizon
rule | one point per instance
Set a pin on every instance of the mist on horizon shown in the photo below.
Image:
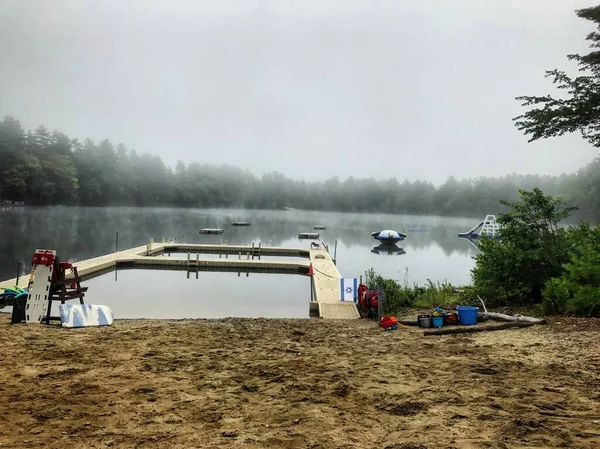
(311, 90)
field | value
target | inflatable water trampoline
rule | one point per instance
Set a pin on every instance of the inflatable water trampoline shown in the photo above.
(388, 236)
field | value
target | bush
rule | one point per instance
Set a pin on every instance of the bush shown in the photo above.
(532, 249)
(577, 290)
(399, 297)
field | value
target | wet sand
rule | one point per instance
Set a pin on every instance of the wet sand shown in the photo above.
(298, 384)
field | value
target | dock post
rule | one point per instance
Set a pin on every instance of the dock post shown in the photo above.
(188, 262)
(361, 278)
(226, 240)
(197, 262)
(380, 302)
(240, 255)
(312, 289)
(117, 242)
(335, 251)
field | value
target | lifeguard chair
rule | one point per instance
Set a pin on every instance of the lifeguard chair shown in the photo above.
(48, 282)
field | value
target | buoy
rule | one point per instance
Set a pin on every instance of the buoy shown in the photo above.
(310, 270)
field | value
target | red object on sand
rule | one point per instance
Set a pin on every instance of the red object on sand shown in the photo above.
(388, 321)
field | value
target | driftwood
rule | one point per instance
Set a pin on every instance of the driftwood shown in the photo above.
(504, 317)
(471, 329)
(512, 319)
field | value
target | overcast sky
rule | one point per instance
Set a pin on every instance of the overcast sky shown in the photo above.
(313, 88)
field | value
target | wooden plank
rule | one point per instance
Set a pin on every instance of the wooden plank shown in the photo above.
(471, 329)
(338, 311)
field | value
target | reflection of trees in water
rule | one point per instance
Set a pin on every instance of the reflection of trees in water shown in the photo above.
(81, 233)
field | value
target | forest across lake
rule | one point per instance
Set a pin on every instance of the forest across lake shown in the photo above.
(40, 167)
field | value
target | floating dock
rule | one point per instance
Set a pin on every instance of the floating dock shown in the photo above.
(309, 235)
(211, 231)
(241, 223)
(325, 285)
(319, 228)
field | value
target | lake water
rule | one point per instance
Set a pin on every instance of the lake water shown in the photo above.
(432, 250)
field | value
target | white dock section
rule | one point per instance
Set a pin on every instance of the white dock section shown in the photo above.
(326, 277)
(326, 286)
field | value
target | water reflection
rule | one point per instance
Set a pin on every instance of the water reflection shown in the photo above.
(432, 247)
(142, 293)
(388, 249)
(473, 242)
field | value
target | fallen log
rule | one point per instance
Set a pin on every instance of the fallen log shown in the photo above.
(510, 318)
(471, 329)
(504, 317)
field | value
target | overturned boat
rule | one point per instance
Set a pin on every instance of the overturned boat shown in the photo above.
(388, 236)
(489, 227)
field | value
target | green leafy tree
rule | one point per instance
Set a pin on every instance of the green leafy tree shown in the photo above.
(579, 110)
(577, 290)
(532, 249)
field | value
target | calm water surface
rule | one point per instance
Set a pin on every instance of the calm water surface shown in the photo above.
(431, 251)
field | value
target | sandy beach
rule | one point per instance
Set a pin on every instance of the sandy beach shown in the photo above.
(256, 383)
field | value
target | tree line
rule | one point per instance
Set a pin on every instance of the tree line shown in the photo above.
(41, 167)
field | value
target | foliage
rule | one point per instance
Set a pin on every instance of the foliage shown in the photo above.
(40, 167)
(399, 297)
(532, 249)
(580, 109)
(577, 290)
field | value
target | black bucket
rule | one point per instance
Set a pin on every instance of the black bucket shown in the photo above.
(18, 312)
(425, 321)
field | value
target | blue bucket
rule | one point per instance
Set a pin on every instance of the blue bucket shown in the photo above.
(438, 321)
(467, 315)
